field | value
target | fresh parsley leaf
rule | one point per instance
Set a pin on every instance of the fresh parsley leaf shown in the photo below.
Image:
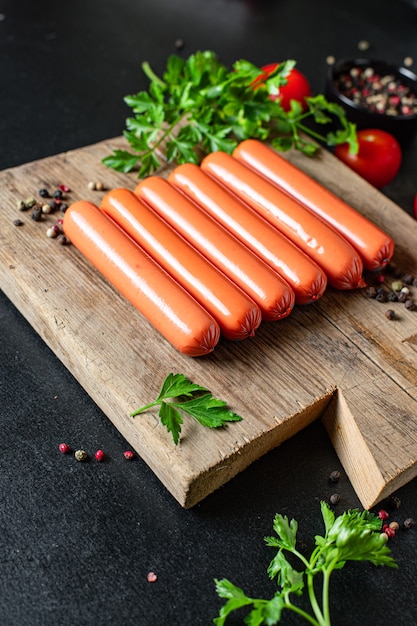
(199, 403)
(352, 536)
(218, 108)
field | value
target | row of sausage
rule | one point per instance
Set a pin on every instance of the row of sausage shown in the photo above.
(217, 248)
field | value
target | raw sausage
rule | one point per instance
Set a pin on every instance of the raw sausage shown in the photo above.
(237, 315)
(373, 244)
(164, 303)
(305, 277)
(338, 259)
(270, 292)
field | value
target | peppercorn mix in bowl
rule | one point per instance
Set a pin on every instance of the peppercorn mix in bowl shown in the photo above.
(375, 94)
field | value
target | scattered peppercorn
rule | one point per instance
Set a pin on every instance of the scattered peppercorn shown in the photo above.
(397, 285)
(81, 455)
(30, 202)
(64, 188)
(335, 476)
(408, 523)
(363, 45)
(179, 44)
(381, 296)
(99, 455)
(410, 305)
(36, 214)
(152, 577)
(334, 498)
(390, 532)
(129, 455)
(44, 193)
(390, 314)
(51, 233)
(383, 515)
(370, 292)
(17, 222)
(394, 502)
(64, 448)
(394, 526)
(62, 240)
(21, 206)
(57, 194)
(63, 207)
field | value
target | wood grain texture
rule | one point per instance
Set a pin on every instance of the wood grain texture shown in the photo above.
(339, 359)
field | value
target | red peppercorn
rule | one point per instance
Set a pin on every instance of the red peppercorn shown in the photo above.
(64, 188)
(383, 515)
(128, 455)
(64, 448)
(99, 455)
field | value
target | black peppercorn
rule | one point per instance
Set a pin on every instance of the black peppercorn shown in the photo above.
(409, 522)
(334, 498)
(410, 305)
(334, 476)
(408, 279)
(390, 314)
(381, 296)
(370, 292)
(44, 193)
(394, 502)
(57, 194)
(36, 214)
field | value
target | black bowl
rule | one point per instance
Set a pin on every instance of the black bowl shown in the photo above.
(402, 126)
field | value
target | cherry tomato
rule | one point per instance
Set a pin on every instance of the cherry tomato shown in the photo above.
(378, 159)
(297, 87)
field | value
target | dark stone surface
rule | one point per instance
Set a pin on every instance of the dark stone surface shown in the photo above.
(78, 540)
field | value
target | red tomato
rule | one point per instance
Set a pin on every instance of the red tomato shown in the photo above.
(378, 159)
(297, 87)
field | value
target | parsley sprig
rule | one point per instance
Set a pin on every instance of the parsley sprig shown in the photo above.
(200, 106)
(200, 404)
(352, 536)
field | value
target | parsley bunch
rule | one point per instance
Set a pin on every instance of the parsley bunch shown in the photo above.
(352, 536)
(200, 405)
(200, 106)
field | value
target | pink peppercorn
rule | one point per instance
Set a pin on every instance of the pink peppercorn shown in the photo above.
(99, 455)
(64, 448)
(64, 188)
(152, 577)
(128, 455)
(383, 515)
(390, 532)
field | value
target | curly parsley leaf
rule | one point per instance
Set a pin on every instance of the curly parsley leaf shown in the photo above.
(178, 396)
(200, 106)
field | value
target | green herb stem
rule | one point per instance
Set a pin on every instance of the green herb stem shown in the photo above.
(148, 71)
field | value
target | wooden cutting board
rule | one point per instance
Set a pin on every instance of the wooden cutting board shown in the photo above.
(340, 359)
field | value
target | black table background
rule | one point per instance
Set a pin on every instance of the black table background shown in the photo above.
(77, 540)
